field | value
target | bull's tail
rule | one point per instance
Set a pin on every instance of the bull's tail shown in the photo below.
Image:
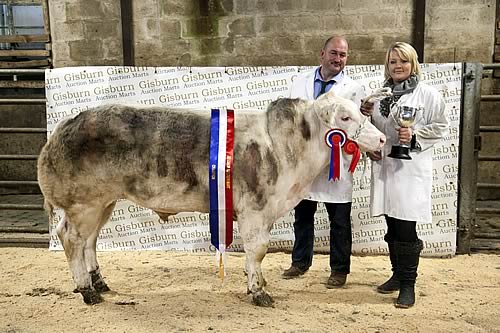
(49, 209)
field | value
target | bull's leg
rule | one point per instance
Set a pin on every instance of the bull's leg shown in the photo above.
(74, 245)
(255, 244)
(90, 252)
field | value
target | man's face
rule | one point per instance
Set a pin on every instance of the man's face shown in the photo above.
(334, 56)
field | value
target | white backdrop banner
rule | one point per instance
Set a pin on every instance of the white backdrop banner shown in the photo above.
(73, 90)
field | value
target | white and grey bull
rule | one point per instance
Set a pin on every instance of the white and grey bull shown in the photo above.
(158, 158)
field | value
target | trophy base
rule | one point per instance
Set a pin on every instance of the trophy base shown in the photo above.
(400, 152)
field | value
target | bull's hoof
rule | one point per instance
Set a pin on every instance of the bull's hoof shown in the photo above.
(97, 281)
(101, 286)
(261, 298)
(90, 296)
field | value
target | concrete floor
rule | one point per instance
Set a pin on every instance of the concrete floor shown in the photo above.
(26, 228)
(13, 220)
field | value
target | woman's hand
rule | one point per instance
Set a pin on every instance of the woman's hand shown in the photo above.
(366, 108)
(405, 134)
(375, 155)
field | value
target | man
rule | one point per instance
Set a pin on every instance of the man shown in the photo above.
(337, 196)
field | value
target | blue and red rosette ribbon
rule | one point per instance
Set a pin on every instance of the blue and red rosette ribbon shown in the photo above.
(337, 139)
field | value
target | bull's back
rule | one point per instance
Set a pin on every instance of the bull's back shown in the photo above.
(124, 147)
(144, 154)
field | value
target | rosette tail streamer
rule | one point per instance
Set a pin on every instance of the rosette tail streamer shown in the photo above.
(221, 183)
(352, 148)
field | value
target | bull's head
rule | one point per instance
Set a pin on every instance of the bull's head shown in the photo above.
(338, 112)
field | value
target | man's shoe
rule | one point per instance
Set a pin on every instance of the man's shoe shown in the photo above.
(336, 280)
(293, 272)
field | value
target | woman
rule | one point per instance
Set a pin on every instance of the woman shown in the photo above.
(401, 188)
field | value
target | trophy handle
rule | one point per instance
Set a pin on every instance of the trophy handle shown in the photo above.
(420, 114)
(394, 112)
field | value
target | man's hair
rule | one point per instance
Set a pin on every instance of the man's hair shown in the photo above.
(334, 37)
(405, 52)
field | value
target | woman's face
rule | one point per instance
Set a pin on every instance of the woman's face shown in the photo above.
(399, 69)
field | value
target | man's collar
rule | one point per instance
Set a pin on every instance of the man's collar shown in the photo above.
(336, 78)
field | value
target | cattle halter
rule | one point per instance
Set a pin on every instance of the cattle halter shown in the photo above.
(361, 126)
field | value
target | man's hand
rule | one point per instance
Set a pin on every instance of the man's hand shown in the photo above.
(374, 156)
(366, 108)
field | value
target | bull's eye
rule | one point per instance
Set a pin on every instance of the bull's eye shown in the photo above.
(345, 118)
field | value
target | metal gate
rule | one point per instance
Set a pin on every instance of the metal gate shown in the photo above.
(470, 145)
(20, 101)
(22, 221)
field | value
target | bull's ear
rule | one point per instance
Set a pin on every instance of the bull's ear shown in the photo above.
(324, 98)
(328, 97)
(352, 96)
(349, 94)
(330, 93)
(325, 107)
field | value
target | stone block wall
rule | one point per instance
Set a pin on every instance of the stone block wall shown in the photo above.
(85, 33)
(460, 29)
(261, 32)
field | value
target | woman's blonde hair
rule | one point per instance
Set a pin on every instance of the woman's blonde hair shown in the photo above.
(405, 52)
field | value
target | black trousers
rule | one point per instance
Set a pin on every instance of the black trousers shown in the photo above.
(400, 230)
(339, 215)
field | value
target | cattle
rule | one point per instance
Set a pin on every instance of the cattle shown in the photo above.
(157, 157)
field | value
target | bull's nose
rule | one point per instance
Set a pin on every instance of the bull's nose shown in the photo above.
(382, 140)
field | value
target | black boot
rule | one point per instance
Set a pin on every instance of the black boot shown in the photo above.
(407, 256)
(392, 284)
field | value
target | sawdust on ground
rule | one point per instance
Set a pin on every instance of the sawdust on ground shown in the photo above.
(157, 291)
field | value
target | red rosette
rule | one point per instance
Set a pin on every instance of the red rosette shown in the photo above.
(335, 138)
(352, 148)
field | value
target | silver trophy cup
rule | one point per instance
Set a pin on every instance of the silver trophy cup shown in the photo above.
(404, 116)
